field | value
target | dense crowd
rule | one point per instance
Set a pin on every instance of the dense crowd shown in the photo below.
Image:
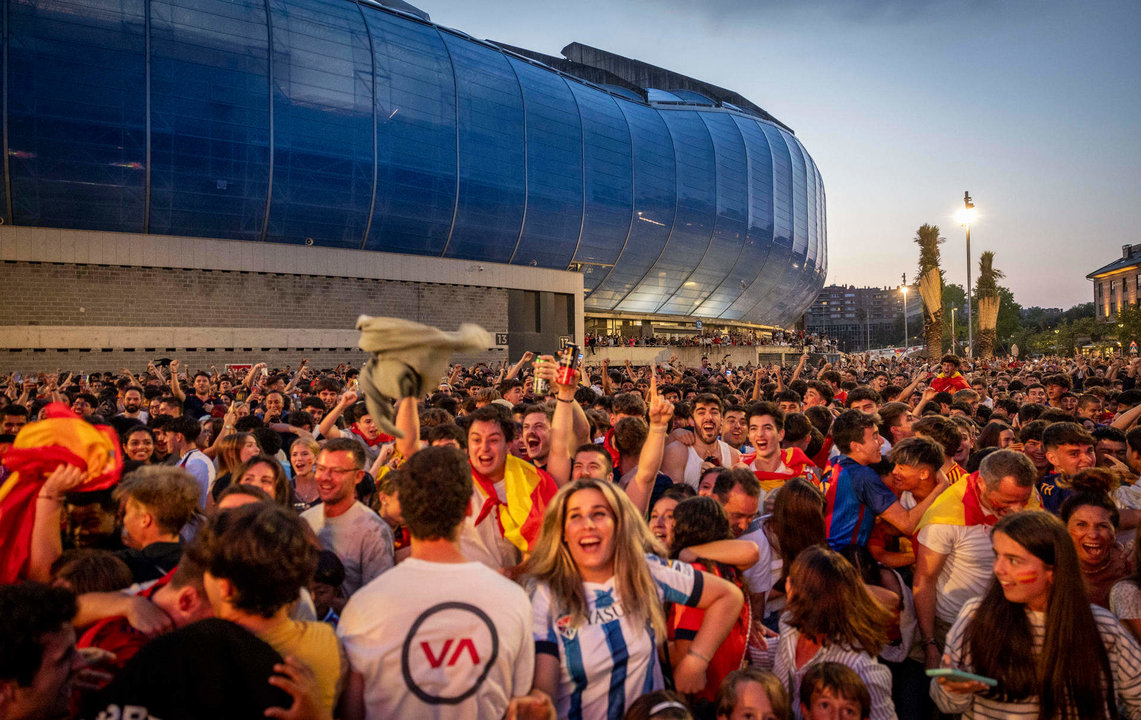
(817, 342)
(875, 539)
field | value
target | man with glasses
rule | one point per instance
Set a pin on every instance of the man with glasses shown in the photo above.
(358, 536)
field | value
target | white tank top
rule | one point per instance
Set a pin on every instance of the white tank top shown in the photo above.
(692, 475)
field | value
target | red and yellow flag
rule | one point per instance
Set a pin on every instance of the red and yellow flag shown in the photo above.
(528, 490)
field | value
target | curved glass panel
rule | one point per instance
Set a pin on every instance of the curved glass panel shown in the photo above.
(656, 95)
(799, 270)
(692, 96)
(726, 265)
(759, 240)
(492, 169)
(655, 192)
(607, 183)
(76, 89)
(322, 123)
(554, 169)
(415, 137)
(209, 118)
(696, 212)
(775, 278)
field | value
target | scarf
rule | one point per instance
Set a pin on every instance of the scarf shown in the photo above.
(528, 491)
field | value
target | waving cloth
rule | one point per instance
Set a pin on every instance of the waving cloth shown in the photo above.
(528, 491)
(406, 358)
(62, 438)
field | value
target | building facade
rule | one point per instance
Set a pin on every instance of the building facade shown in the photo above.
(866, 318)
(1117, 284)
(365, 127)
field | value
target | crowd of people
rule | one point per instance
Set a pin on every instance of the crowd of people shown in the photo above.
(895, 538)
(817, 342)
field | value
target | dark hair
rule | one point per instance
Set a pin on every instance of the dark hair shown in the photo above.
(28, 611)
(1133, 438)
(954, 359)
(698, 520)
(1072, 668)
(1032, 431)
(831, 603)
(849, 428)
(598, 450)
(1092, 498)
(185, 426)
(840, 679)
(495, 414)
(1059, 380)
(729, 478)
(788, 395)
(628, 404)
(14, 411)
(435, 491)
(915, 451)
(630, 435)
(797, 520)
(670, 705)
(940, 429)
(824, 389)
(89, 570)
(248, 490)
(282, 492)
(263, 550)
(797, 426)
(862, 392)
(1066, 433)
(990, 435)
(890, 413)
(343, 444)
(766, 408)
(330, 570)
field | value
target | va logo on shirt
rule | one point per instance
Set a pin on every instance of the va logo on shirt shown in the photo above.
(448, 653)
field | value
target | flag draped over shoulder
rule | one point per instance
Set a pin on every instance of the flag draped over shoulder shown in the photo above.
(61, 438)
(528, 490)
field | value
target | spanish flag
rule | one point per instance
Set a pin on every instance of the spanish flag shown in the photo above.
(528, 490)
(960, 504)
(793, 458)
(61, 438)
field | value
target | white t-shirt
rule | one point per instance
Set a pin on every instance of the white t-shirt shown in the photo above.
(359, 537)
(968, 568)
(202, 469)
(608, 653)
(439, 640)
(759, 577)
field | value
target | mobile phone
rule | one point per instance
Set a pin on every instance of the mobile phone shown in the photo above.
(961, 676)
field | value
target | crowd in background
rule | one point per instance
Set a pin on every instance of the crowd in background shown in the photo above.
(529, 540)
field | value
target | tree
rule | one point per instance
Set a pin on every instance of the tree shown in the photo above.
(931, 287)
(988, 303)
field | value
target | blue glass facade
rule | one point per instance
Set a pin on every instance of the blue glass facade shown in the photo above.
(350, 125)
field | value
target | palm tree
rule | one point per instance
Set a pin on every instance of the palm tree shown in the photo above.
(987, 293)
(931, 287)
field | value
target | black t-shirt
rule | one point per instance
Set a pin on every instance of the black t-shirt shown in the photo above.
(153, 561)
(209, 669)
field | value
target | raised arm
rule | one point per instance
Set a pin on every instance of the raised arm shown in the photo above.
(175, 388)
(519, 365)
(328, 427)
(641, 488)
(562, 422)
(47, 545)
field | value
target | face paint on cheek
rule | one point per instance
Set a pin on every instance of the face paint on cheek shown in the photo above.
(1026, 578)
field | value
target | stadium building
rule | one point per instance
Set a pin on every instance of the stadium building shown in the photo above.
(194, 177)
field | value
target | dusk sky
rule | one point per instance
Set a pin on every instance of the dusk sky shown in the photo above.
(1032, 106)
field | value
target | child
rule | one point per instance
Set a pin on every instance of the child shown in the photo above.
(326, 587)
(752, 693)
(831, 691)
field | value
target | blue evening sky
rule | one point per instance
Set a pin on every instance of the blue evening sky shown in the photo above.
(1033, 106)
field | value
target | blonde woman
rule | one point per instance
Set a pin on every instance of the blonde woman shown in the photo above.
(303, 459)
(233, 451)
(597, 600)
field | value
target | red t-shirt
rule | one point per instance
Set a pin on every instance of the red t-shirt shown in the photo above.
(684, 622)
(116, 635)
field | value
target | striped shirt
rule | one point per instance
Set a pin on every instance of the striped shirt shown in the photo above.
(1124, 661)
(876, 677)
(607, 662)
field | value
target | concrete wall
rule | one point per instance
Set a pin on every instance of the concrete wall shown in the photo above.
(691, 356)
(101, 301)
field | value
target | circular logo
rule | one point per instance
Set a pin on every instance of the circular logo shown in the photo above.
(448, 653)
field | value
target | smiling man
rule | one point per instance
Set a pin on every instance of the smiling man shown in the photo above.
(509, 494)
(1069, 450)
(683, 462)
(358, 536)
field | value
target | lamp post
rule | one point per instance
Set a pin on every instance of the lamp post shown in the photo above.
(953, 309)
(966, 216)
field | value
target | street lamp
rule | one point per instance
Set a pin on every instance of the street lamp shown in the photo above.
(966, 217)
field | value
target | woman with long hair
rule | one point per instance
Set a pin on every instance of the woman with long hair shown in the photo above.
(1034, 631)
(303, 459)
(233, 452)
(597, 595)
(796, 524)
(265, 472)
(700, 521)
(831, 617)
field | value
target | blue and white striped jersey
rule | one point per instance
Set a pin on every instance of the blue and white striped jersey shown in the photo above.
(607, 663)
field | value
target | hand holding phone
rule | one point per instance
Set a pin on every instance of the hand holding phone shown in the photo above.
(960, 681)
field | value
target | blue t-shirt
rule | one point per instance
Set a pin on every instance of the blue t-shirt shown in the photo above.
(1053, 494)
(854, 495)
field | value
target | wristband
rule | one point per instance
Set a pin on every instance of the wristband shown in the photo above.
(53, 498)
(699, 656)
(566, 401)
(930, 641)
